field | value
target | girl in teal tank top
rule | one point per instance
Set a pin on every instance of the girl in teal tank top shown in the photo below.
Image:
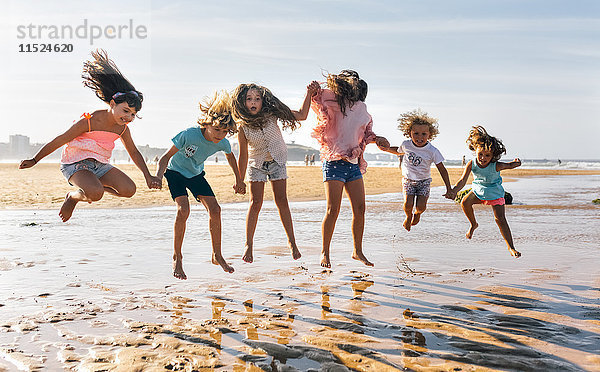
(487, 184)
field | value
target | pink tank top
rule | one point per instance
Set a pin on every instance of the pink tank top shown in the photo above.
(92, 144)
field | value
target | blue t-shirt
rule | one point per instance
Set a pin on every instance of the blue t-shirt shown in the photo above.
(194, 149)
(487, 183)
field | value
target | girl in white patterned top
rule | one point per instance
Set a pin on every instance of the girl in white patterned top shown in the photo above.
(256, 111)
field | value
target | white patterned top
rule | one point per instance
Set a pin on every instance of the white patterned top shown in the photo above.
(265, 143)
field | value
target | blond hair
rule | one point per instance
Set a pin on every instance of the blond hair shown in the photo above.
(417, 117)
(215, 111)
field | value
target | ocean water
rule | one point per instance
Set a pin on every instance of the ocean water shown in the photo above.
(433, 299)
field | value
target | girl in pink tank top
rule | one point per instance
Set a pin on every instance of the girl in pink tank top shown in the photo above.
(90, 141)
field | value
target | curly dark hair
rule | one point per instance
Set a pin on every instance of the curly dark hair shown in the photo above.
(271, 106)
(216, 112)
(417, 117)
(479, 138)
(104, 78)
(348, 88)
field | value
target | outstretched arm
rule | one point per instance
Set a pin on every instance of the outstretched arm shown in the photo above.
(450, 194)
(463, 179)
(164, 161)
(311, 89)
(243, 160)
(240, 186)
(513, 164)
(76, 129)
(138, 160)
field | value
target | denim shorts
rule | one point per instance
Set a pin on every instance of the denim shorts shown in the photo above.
(179, 184)
(270, 170)
(414, 187)
(341, 170)
(97, 168)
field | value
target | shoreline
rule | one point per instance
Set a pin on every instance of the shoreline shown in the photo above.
(43, 186)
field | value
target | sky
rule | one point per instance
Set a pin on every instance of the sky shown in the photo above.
(528, 71)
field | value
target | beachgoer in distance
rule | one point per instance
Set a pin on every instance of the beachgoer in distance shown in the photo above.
(183, 167)
(417, 156)
(85, 160)
(264, 154)
(487, 183)
(343, 130)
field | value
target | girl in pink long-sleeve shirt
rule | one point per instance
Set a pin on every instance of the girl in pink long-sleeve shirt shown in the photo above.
(344, 130)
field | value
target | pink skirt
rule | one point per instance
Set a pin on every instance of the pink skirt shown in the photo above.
(499, 201)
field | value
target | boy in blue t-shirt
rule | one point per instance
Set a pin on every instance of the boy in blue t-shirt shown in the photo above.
(183, 167)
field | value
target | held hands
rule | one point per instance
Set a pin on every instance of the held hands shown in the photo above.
(382, 143)
(516, 162)
(239, 188)
(154, 182)
(27, 163)
(312, 88)
(450, 194)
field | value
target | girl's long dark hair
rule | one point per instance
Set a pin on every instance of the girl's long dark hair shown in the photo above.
(479, 138)
(271, 106)
(348, 88)
(104, 78)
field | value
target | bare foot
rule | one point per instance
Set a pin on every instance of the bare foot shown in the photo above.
(295, 252)
(325, 261)
(361, 257)
(178, 268)
(67, 208)
(514, 252)
(469, 233)
(416, 218)
(407, 223)
(221, 262)
(247, 257)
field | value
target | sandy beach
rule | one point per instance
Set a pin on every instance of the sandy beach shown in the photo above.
(96, 293)
(44, 187)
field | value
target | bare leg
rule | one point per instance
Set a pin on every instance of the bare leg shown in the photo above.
(257, 190)
(356, 193)
(281, 201)
(467, 207)
(419, 209)
(500, 217)
(183, 212)
(90, 190)
(214, 216)
(408, 208)
(118, 183)
(333, 194)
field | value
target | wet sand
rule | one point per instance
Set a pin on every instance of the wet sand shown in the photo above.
(96, 293)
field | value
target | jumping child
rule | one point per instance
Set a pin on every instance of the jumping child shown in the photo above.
(343, 131)
(263, 149)
(417, 155)
(487, 183)
(85, 160)
(183, 167)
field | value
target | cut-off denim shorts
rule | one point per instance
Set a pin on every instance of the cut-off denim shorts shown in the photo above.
(270, 170)
(97, 168)
(341, 170)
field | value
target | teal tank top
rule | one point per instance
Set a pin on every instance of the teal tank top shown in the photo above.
(487, 183)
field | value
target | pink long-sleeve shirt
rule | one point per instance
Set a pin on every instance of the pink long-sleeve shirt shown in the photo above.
(342, 137)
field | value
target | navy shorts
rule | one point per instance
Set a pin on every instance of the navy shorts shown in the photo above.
(178, 185)
(341, 170)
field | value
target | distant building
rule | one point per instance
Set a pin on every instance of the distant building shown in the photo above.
(18, 146)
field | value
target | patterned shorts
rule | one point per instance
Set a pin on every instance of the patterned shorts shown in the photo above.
(270, 170)
(420, 187)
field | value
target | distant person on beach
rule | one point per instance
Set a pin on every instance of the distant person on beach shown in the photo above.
(418, 155)
(343, 130)
(85, 160)
(464, 161)
(312, 159)
(306, 160)
(487, 184)
(183, 167)
(264, 154)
